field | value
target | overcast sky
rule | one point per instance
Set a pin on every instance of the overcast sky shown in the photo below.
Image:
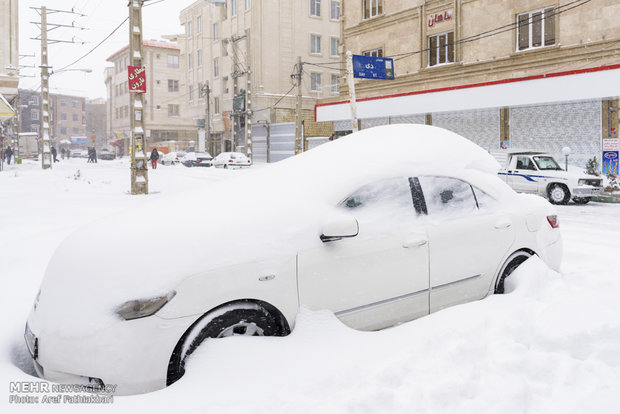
(102, 17)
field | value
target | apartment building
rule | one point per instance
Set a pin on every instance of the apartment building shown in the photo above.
(246, 52)
(67, 115)
(9, 67)
(539, 74)
(165, 127)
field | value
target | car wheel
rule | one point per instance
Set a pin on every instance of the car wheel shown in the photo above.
(237, 319)
(509, 266)
(225, 166)
(558, 194)
(582, 200)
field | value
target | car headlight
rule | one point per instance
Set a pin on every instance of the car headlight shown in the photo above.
(140, 308)
(582, 182)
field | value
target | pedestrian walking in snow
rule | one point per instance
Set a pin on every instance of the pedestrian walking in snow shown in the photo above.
(54, 154)
(154, 158)
(8, 153)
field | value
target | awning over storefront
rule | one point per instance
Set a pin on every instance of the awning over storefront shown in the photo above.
(6, 110)
(583, 84)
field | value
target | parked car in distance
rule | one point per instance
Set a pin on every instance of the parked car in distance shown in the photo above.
(172, 158)
(104, 154)
(76, 153)
(376, 236)
(197, 159)
(231, 159)
(539, 173)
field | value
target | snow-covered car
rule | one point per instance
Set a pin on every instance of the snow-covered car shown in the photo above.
(197, 159)
(172, 158)
(104, 154)
(76, 153)
(231, 159)
(376, 236)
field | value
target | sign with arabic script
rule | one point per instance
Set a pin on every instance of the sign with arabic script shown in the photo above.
(371, 67)
(137, 79)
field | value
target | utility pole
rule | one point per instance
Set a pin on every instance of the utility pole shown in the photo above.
(248, 100)
(46, 144)
(207, 93)
(298, 106)
(46, 141)
(351, 84)
(137, 89)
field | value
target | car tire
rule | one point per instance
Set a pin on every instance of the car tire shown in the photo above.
(225, 166)
(513, 261)
(558, 194)
(243, 319)
(582, 200)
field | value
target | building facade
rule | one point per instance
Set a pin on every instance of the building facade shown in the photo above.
(9, 69)
(67, 116)
(96, 122)
(165, 127)
(246, 52)
(540, 74)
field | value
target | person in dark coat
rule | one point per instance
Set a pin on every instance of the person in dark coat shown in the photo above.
(8, 153)
(154, 158)
(54, 154)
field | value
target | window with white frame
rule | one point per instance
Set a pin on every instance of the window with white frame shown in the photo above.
(199, 57)
(34, 100)
(372, 8)
(315, 44)
(189, 29)
(35, 128)
(215, 31)
(315, 8)
(441, 49)
(190, 92)
(334, 43)
(334, 10)
(233, 8)
(173, 110)
(198, 24)
(248, 4)
(335, 83)
(378, 52)
(200, 90)
(173, 85)
(216, 105)
(536, 29)
(216, 67)
(190, 60)
(173, 61)
(34, 115)
(315, 82)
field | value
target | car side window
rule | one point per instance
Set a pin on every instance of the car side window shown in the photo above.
(383, 206)
(485, 202)
(524, 163)
(447, 197)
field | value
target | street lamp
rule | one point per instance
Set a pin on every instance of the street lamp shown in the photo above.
(71, 70)
(566, 151)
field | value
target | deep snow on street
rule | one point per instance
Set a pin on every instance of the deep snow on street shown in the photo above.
(551, 345)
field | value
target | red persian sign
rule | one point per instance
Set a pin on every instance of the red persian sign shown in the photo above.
(137, 79)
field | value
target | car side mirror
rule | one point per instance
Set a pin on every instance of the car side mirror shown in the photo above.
(338, 227)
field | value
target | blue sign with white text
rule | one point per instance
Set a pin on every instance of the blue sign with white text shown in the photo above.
(610, 163)
(371, 67)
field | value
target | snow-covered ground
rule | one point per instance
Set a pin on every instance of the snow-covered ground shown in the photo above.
(552, 345)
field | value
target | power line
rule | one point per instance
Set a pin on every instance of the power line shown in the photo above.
(98, 44)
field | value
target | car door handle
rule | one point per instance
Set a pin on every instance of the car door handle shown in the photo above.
(503, 224)
(414, 243)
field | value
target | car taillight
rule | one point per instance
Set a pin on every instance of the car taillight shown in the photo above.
(230, 161)
(553, 221)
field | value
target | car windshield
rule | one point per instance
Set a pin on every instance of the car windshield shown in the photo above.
(546, 163)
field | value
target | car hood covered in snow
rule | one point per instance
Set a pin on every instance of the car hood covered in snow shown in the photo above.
(271, 212)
